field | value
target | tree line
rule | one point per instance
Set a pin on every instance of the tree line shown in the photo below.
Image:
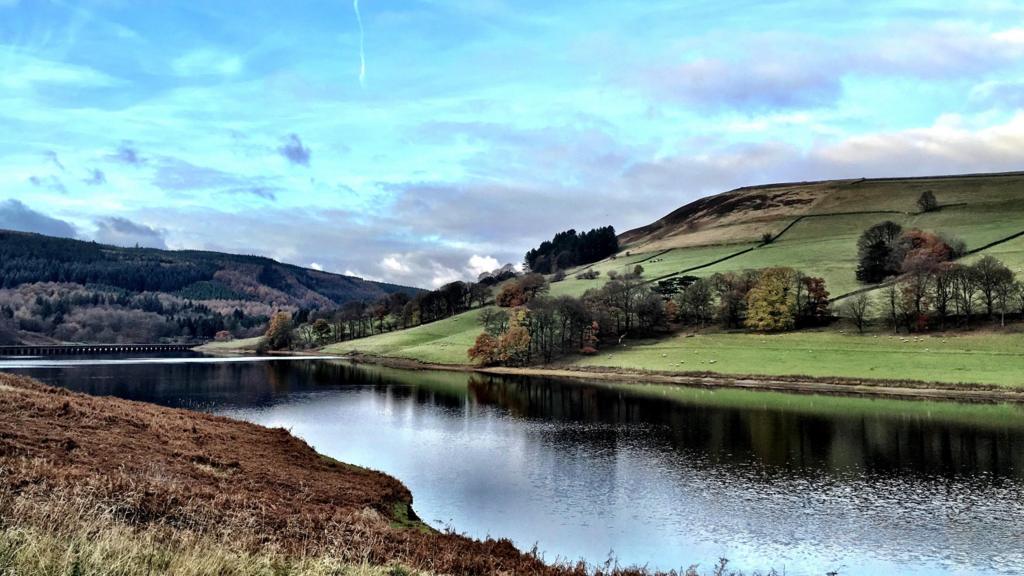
(570, 248)
(924, 287)
(309, 328)
(530, 326)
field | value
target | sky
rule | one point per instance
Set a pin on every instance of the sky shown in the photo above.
(424, 141)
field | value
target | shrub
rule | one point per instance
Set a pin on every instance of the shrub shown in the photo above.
(927, 202)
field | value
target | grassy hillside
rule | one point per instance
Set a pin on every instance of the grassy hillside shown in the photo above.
(980, 358)
(815, 228)
(444, 341)
(816, 225)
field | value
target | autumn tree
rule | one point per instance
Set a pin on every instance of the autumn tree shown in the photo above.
(771, 303)
(322, 330)
(279, 332)
(510, 296)
(485, 351)
(812, 301)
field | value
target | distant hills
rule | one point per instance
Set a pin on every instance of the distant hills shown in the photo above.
(71, 290)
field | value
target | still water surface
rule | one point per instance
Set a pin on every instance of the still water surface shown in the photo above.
(658, 475)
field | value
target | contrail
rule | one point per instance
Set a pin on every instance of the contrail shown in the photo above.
(362, 47)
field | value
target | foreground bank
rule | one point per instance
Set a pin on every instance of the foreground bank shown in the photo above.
(94, 485)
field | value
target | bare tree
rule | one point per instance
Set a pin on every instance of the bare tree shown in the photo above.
(858, 309)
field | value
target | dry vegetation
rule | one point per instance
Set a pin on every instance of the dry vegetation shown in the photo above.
(106, 486)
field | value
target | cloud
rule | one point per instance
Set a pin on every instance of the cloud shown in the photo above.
(394, 265)
(294, 151)
(54, 159)
(15, 215)
(316, 266)
(771, 70)
(127, 153)
(1007, 95)
(123, 232)
(49, 183)
(481, 264)
(758, 83)
(96, 177)
(259, 191)
(175, 174)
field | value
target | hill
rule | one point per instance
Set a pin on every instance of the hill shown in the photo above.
(813, 227)
(71, 290)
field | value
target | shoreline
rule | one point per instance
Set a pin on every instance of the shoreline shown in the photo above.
(871, 388)
(794, 384)
(96, 480)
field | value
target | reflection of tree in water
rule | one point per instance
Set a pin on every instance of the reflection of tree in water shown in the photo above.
(602, 416)
(775, 438)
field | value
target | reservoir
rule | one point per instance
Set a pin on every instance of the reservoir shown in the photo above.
(656, 475)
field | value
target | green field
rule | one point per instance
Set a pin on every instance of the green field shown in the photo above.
(655, 265)
(242, 345)
(445, 341)
(983, 358)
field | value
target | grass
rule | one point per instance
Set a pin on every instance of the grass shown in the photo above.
(96, 544)
(241, 345)
(655, 265)
(444, 341)
(982, 358)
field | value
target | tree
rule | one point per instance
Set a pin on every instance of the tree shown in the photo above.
(943, 291)
(927, 202)
(321, 330)
(510, 295)
(771, 303)
(965, 290)
(638, 271)
(696, 302)
(858, 309)
(279, 333)
(991, 275)
(485, 351)
(814, 307)
(875, 252)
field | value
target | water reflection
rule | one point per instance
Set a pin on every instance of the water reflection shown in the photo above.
(662, 474)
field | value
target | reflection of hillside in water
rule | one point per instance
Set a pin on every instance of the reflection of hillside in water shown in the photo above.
(770, 430)
(774, 437)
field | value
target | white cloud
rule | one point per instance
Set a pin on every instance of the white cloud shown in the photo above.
(394, 265)
(480, 264)
(316, 266)
(443, 275)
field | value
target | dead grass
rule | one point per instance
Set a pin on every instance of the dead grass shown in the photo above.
(94, 485)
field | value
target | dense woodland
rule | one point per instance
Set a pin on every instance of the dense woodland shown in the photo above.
(570, 248)
(75, 291)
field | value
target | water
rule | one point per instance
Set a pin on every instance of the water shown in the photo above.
(658, 475)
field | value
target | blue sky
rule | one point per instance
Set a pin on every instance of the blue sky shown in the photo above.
(480, 127)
